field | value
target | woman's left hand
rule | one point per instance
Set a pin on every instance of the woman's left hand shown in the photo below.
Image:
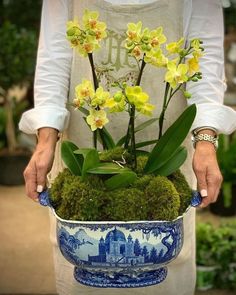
(207, 171)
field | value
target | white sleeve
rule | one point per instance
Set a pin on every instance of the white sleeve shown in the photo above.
(206, 23)
(52, 71)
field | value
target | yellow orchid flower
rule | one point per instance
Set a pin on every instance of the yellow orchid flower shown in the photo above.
(157, 37)
(73, 33)
(134, 31)
(196, 43)
(90, 19)
(84, 90)
(175, 47)
(193, 65)
(97, 119)
(77, 103)
(135, 95)
(116, 103)
(176, 74)
(100, 98)
(136, 52)
(89, 45)
(115, 106)
(100, 31)
(156, 58)
(146, 109)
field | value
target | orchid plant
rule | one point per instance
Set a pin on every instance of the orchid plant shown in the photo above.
(148, 48)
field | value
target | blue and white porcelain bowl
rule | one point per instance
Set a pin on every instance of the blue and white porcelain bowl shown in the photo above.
(119, 254)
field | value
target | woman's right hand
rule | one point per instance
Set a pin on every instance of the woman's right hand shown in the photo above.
(40, 164)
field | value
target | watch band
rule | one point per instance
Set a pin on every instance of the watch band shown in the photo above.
(205, 137)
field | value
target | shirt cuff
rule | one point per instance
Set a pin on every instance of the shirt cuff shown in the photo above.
(221, 117)
(44, 116)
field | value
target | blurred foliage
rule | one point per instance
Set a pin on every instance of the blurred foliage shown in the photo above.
(229, 14)
(19, 29)
(226, 155)
(17, 55)
(23, 13)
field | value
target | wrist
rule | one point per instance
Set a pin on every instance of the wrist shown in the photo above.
(47, 135)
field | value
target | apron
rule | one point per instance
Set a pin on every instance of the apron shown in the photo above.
(168, 14)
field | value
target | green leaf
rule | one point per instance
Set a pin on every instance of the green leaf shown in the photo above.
(121, 180)
(174, 163)
(72, 161)
(108, 168)
(145, 124)
(91, 160)
(106, 138)
(171, 140)
(140, 127)
(145, 143)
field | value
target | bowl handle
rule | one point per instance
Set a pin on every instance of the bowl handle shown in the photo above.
(196, 199)
(44, 198)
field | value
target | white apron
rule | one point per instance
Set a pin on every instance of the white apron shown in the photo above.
(181, 273)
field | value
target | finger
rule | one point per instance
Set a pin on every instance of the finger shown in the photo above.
(42, 171)
(213, 185)
(30, 183)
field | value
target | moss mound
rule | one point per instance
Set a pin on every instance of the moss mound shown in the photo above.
(183, 189)
(150, 197)
(162, 198)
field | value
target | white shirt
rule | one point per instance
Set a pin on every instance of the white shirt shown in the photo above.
(201, 19)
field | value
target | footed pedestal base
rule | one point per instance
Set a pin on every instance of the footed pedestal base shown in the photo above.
(120, 280)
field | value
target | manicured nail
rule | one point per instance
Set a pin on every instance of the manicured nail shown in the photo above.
(39, 188)
(203, 193)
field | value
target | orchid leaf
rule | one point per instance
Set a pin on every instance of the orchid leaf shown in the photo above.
(72, 161)
(145, 124)
(108, 168)
(145, 143)
(174, 163)
(171, 140)
(121, 180)
(106, 139)
(91, 159)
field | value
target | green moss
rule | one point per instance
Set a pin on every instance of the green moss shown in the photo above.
(57, 187)
(183, 189)
(148, 198)
(142, 182)
(141, 162)
(116, 154)
(162, 198)
(127, 204)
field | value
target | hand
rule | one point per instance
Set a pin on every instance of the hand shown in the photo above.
(207, 171)
(41, 162)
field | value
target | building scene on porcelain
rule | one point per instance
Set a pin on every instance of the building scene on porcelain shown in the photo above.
(115, 248)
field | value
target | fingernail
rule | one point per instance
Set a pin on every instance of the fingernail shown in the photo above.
(203, 193)
(39, 188)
